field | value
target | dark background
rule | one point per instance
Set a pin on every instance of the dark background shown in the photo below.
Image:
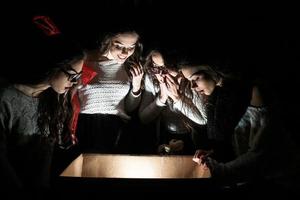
(253, 39)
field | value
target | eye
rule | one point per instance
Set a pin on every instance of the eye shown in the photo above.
(131, 48)
(118, 47)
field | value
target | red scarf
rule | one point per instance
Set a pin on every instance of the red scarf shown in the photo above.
(87, 75)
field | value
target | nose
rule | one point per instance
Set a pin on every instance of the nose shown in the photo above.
(125, 51)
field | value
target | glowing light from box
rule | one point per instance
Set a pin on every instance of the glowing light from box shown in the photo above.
(137, 168)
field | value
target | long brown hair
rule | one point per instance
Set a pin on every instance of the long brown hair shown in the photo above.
(106, 45)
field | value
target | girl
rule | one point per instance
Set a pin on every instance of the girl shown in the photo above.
(108, 98)
(35, 109)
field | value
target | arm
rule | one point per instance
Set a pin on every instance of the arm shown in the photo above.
(132, 101)
(246, 165)
(241, 135)
(192, 109)
(150, 106)
(133, 98)
(8, 176)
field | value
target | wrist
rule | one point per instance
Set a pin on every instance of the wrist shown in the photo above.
(176, 99)
(159, 102)
(136, 92)
(162, 99)
(136, 89)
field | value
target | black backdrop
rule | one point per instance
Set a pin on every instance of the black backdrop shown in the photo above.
(254, 39)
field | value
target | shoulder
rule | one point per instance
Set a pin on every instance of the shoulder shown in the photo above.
(8, 97)
(8, 92)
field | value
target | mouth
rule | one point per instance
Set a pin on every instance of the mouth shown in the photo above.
(121, 57)
(199, 91)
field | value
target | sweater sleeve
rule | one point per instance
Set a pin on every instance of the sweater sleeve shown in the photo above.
(150, 106)
(194, 109)
(247, 164)
(8, 176)
(132, 101)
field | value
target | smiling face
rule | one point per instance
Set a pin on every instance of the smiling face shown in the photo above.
(122, 47)
(65, 79)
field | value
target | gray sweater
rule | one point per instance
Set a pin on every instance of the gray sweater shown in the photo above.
(261, 144)
(25, 155)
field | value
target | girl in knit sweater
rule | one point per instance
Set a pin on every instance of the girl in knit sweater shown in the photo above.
(112, 94)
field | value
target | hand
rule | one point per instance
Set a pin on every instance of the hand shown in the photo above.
(173, 146)
(137, 74)
(176, 145)
(201, 156)
(163, 149)
(163, 95)
(172, 88)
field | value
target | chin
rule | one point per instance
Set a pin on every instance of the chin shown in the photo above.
(62, 91)
(121, 61)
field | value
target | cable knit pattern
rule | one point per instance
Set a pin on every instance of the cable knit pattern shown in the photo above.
(193, 109)
(105, 94)
(246, 131)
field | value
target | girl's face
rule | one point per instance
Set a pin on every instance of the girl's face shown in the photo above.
(158, 63)
(65, 79)
(202, 85)
(123, 46)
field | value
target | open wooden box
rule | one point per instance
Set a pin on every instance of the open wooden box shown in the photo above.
(135, 166)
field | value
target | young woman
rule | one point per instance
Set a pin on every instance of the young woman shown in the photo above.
(35, 109)
(221, 105)
(166, 103)
(108, 98)
(260, 139)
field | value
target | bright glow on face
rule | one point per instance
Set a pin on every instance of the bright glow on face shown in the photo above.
(123, 46)
(157, 60)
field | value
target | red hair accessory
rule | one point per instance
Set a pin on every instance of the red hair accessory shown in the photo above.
(46, 24)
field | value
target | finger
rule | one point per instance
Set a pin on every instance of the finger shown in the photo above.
(196, 154)
(132, 72)
(160, 79)
(205, 167)
(170, 83)
(204, 159)
(170, 78)
(140, 70)
(136, 71)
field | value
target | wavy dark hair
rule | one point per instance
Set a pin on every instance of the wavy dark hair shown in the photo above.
(45, 57)
(55, 110)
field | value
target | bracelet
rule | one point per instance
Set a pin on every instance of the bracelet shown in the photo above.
(137, 93)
